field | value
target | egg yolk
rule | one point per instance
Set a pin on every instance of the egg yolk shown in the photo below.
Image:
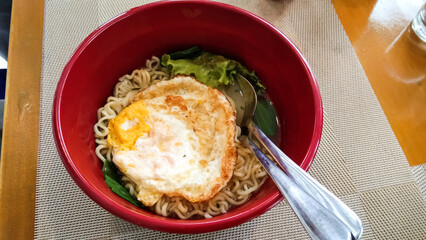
(128, 126)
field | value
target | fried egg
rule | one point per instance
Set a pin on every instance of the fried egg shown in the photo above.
(176, 138)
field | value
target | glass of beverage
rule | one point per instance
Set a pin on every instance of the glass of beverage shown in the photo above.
(418, 25)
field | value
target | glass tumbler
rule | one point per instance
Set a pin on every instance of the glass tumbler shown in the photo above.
(418, 25)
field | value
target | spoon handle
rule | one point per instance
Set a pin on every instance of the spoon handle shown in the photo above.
(309, 185)
(318, 221)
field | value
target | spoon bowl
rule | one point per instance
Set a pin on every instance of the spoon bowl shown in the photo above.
(249, 97)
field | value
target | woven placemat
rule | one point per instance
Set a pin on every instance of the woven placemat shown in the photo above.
(359, 158)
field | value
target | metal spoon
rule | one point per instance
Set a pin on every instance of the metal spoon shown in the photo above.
(323, 215)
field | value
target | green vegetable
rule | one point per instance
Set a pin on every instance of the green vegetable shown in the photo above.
(113, 181)
(208, 68)
(265, 117)
(191, 52)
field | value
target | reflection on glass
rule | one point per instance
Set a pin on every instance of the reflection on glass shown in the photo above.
(406, 57)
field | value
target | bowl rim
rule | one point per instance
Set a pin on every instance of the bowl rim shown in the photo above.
(172, 225)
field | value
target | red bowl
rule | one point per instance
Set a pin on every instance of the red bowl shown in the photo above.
(125, 42)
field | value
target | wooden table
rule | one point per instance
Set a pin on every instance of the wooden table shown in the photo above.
(393, 65)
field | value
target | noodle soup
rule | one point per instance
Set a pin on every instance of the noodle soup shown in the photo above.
(247, 175)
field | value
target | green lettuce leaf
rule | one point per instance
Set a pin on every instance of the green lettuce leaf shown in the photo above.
(208, 68)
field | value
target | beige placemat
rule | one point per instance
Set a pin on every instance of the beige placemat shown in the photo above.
(359, 158)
